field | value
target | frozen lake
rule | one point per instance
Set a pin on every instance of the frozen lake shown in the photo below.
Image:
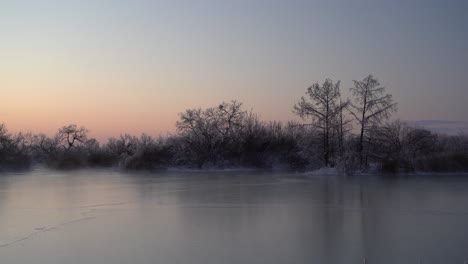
(111, 217)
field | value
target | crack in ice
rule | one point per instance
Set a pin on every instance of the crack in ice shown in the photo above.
(44, 229)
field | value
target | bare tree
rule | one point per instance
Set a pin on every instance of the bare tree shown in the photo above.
(69, 135)
(45, 144)
(199, 133)
(145, 140)
(208, 132)
(5, 142)
(397, 145)
(14, 150)
(343, 124)
(126, 145)
(370, 108)
(4, 136)
(24, 142)
(323, 107)
(230, 116)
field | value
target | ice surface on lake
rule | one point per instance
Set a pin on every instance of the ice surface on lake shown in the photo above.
(103, 216)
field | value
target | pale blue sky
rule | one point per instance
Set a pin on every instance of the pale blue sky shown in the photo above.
(131, 66)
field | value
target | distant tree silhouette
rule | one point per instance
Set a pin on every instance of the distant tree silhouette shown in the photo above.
(70, 134)
(208, 132)
(226, 136)
(5, 140)
(343, 125)
(24, 142)
(397, 146)
(14, 150)
(370, 108)
(325, 109)
(4, 136)
(46, 144)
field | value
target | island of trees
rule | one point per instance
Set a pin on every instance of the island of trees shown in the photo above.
(227, 136)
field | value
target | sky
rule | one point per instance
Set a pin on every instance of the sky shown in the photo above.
(131, 66)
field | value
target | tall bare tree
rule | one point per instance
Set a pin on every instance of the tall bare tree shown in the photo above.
(69, 135)
(343, 124)
(370, 108)
(323, 107)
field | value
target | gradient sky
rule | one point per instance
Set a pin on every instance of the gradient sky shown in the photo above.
(132, 66)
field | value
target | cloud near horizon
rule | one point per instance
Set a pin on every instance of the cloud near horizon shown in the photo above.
(450, 127)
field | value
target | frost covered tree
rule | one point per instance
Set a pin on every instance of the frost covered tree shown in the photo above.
(343, 125)
(370, 108)
(398, 145)
(324, 107)
(208, 132)
(14, 149)
(69, 135)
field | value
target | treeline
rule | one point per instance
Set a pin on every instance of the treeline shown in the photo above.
(227, 136)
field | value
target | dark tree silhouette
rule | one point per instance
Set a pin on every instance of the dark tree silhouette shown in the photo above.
(324, 107)
(69, 135)
(370, 108)
(343, 124)
(208, 132)
(225, 136)
(45, 144)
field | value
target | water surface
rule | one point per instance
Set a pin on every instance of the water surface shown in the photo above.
(105, 216)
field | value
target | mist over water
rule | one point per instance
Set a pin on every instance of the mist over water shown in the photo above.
(105, 216)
